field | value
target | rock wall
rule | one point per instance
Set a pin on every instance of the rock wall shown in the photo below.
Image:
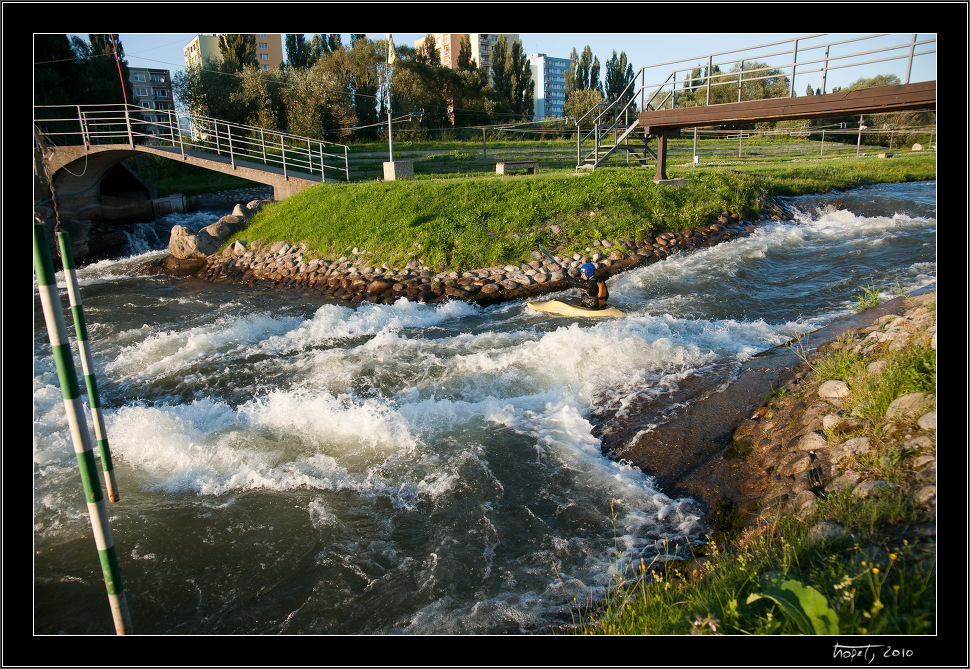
(782, 454)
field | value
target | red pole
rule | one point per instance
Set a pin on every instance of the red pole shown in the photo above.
(118, 63)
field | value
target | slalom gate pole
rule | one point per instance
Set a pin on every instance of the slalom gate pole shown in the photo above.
(87, 365)
(61, 349)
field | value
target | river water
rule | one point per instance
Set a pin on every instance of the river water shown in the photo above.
(288, 466)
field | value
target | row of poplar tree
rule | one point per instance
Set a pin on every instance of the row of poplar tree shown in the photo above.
(330, 90)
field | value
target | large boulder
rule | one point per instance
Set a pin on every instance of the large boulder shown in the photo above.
(911, 406)
(184, 243)
(225, 226)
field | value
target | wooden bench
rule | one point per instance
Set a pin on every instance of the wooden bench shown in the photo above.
(527, 165)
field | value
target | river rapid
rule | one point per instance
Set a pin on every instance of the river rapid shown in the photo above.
(295, 467)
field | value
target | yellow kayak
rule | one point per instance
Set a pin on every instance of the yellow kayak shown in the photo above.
(572, 308)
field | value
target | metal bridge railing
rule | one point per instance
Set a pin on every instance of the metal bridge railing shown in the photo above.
(780, 61)
(89, 125)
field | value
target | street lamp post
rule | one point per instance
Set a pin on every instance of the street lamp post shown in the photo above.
(400, 168)
(390, 73)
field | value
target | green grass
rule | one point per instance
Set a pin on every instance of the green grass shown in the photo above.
(790, 178)
(478, 222)
(864, 582)
(471, 222)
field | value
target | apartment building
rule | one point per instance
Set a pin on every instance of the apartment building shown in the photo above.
(448, 47)
(483, 48)
(201, 49)
(152, 90)
(269, 50)
(549, 75)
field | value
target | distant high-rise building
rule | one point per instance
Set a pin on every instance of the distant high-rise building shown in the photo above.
(482, 44)
(269, 50)
(549, 75)
(153, 90)
(201, 49)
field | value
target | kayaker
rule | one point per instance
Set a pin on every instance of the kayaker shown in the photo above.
(595, 293)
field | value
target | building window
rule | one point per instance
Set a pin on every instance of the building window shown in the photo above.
(138, 76)
(262, 45)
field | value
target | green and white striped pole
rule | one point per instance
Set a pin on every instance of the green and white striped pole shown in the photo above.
(87, 364)
(97, 509)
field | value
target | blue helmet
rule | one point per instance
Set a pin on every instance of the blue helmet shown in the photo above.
(587, 270)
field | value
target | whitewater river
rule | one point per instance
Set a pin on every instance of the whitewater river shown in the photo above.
(287, 466)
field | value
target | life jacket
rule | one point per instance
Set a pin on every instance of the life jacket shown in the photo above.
(601, 294)
(595, 296)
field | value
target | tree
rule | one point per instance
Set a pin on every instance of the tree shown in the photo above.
(892, 120)
(298, 52)
(420, 88)
(878, 80)
(259, 100)
(471, 99)
(366, 58)
(569, 85)
(238, 50)
(205, 90)
(695, 81)
(520, 87)
(499, 56)
(586, 72)
(428, 53)
(583, 75)
(759, 82)
(581, 101)
(57, 71)
(100, 81)
(465, 62)
(316, 101)
(594, 75)
(619, 76)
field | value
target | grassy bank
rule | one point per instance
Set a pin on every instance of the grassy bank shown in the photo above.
(478, 221)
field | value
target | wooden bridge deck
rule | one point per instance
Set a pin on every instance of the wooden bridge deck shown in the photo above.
(877, 100)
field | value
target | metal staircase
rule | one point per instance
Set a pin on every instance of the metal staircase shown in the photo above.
(621, 121)
(629, 139)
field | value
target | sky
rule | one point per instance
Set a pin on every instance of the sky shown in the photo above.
(661, 52)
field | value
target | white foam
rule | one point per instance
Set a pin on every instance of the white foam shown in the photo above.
(172, 352)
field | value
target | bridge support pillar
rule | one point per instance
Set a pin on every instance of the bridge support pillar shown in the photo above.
(662, 136)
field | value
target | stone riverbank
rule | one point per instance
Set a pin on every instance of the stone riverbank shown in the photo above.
(804, 443)
(776, 441)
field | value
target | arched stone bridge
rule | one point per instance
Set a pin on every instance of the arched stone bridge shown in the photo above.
(77, 146)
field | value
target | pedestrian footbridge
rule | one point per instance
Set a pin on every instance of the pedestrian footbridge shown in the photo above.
(753, 85)
(78, 145)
